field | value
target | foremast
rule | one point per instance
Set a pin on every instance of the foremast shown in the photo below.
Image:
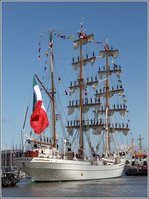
(52, 91)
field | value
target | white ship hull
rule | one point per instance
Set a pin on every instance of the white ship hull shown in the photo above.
(46, 169)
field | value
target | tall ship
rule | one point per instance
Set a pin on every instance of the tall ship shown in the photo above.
(90, 148)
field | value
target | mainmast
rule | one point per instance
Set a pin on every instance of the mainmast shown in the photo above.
(80, 124)
(80, 86)
(107, 147)
(53, 91)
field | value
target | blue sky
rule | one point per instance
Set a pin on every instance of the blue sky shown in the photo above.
(125, 26)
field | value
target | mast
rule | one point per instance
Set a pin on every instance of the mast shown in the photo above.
(22, 142)
(83, 39)
(107, 147)
(107, 53)
(80, 85)
(140, 144)
(80, 104)
(53, 91)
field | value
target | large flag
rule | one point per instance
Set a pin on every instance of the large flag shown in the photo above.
(38, 120)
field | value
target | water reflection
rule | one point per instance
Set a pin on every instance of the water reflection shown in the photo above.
(132, 186)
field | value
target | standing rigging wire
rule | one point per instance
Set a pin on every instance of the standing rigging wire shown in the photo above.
(62, 71)
(46, 79)
(114, 119)
(121, 98)
(99, 141)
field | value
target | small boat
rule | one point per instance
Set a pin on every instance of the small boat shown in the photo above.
(9, 179)
(138, 165)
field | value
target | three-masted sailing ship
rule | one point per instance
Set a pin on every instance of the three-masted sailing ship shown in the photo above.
(81, 158)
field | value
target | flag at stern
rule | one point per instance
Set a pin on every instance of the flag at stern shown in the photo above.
(39, 119)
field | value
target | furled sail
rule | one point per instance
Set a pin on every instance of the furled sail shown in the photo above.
(86, 39)
(115, 70)
(90, 60)
(118, 90)
(74, 86)
(113, 53)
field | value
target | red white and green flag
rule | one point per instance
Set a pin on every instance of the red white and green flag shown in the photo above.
(39, 119)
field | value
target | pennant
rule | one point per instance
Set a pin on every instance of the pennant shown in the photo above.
(59, 80)
(38, 120)
(39, 49)
(86, 100)
(60, 35)
(58, 116)
(98, 42)
(30, 133)
(66, 93)
(50, 44)
(50, 41)
(38, 57)
(85, 93)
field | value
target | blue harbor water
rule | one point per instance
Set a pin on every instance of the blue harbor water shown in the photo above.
(126, 186)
